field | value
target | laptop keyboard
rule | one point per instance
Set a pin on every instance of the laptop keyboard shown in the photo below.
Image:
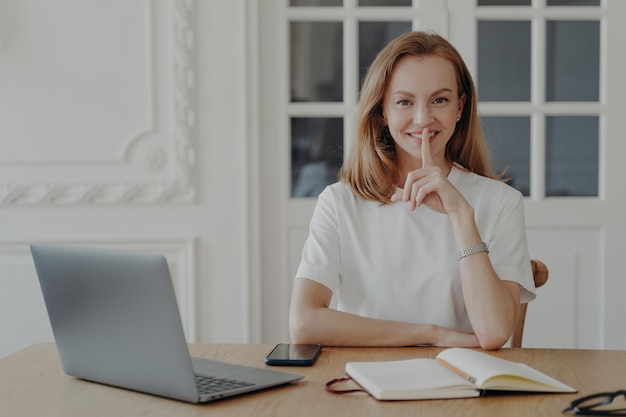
(211, 384)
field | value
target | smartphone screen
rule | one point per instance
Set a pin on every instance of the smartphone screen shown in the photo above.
(285, 354)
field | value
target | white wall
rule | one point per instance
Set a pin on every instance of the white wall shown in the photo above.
(73, 130)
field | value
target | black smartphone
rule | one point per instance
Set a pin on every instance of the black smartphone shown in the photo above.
(285, 354)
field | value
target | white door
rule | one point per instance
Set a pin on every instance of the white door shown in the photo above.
(549, 79)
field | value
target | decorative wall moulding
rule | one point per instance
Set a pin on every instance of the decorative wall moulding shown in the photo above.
(155, 164)
(90, 193)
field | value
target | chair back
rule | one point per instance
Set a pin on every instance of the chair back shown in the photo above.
(540, 275)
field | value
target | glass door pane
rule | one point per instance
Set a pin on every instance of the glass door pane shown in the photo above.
(573, 2)
(316, 61)
(504, 2)
(373, 36)
(509, 142)
(572, 60)
(321, 3)
(572, 156)
(385, 3)
(316, 154)
(503, 60)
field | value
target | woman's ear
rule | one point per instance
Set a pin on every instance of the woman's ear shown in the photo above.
(384, 119)
(461, 105)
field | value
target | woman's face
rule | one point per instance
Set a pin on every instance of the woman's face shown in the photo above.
(421, 93)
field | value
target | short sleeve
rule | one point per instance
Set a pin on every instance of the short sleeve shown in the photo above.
(509, 248)
(321, 259)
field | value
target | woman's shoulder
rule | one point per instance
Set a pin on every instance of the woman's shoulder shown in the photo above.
(470, 182)
(341, 196)
(337, 190)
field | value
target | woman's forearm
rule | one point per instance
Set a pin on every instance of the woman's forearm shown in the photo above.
(330, 327)
(311, 321)
(492, 304)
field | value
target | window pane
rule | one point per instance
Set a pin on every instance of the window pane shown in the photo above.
(509, 142)
(572, 156)
(385, 2)
(316, 2)
(316, 154)
(572, 60)
(373, 36)
(316, 61)
(503, 60)
(504, 2)
(573, 2)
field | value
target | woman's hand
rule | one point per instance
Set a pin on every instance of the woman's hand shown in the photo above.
(430, 186)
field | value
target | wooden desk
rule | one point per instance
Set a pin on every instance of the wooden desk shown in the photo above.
(33, 384)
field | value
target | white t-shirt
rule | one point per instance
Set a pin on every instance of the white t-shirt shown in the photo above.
(390, 263)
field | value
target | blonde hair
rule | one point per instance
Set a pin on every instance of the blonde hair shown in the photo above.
(371, 169)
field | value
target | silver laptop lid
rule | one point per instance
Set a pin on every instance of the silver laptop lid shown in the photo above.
(115, 319)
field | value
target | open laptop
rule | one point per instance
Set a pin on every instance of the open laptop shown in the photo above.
(115, 321)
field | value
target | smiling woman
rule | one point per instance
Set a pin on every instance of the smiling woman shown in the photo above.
(379, 236)
(422, 94)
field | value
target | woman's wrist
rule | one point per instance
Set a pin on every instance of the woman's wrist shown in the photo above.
(465, 230)
(463, 216)
(425, 334)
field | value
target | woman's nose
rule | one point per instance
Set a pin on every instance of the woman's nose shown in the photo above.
(422, 115)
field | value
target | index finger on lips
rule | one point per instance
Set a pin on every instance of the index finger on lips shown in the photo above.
(427, 158)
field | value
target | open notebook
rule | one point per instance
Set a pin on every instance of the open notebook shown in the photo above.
(454, 373)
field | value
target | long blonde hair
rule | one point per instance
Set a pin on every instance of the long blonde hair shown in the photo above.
(371, 169)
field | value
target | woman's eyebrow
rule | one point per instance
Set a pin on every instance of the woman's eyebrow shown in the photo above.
(434, 93)
(442, 90)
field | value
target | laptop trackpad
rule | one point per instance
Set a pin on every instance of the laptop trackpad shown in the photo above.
(257, 376)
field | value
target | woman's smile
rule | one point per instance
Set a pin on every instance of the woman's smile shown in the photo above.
(418, 136)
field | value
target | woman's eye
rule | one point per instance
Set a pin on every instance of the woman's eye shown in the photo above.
(403, 102)
(440, 100)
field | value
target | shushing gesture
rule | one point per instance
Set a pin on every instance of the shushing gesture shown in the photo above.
(429, 185)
